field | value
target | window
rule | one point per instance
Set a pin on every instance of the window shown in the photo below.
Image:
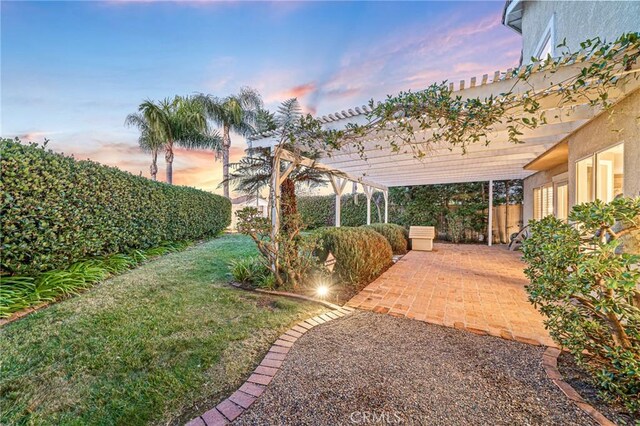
(547, 200)
(546, 45)
(584, 180)
(610, 173)
(543, 201)
(606, 181)
(562, 200)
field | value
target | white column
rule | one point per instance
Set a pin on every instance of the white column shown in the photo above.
(338, 188)
(368, 191)
(490, 225)
(386, 205)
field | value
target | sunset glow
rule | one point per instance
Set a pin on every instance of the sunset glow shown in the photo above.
(72, 71)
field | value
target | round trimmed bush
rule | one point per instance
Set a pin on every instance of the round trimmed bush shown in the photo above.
(397, 235)
(361, 254)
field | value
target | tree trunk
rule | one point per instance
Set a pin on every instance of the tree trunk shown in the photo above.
(288, 202)
(153, 168)
(168, 157)
(226, 145)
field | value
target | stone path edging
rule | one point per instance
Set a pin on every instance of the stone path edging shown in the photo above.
(550, 364)
(232, 407)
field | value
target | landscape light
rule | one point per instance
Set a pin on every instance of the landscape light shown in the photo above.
(322, 290)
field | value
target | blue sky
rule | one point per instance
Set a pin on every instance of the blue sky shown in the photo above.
(72, 71)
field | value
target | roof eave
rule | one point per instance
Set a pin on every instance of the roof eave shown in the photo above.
(512, 15)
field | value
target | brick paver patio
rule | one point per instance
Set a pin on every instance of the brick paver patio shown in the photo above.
(475, 287)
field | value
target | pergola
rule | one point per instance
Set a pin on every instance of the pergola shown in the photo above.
(382, 168)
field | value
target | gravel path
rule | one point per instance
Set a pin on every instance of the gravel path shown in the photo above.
(376, 369)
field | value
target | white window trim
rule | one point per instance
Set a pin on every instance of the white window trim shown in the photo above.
(548, 34)
(594, 157)
(556, 199)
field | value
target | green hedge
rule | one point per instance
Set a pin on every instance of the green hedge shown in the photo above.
(56, 210)
(397, 235)
(457, 210)
(319, 211)
(361, 254)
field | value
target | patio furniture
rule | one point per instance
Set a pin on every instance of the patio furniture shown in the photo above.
(422, 237)
(518, 237)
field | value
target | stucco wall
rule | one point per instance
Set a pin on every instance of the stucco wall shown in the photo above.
(534, 181)
(606, 130)
(577, 21)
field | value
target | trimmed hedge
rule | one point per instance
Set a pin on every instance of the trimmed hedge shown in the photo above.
(361, 254)
(56, 211)
(319, 211)
(397, 235)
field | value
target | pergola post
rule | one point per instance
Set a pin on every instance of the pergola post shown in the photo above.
(368, 192)
(275, 197)
(338, 188)
(490, 225)
(277, 177)
(386, 205)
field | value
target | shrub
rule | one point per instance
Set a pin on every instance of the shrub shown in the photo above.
(588, 289)
(290, 257)
(319, 211)
(56, 211)
(361, 254)
(397, 235)
(249, 270)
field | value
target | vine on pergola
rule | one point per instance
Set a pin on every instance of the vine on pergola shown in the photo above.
(451, 120)
(460, 122)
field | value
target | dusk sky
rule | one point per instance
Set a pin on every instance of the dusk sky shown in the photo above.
(72, 71)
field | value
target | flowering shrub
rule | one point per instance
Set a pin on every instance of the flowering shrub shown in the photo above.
(587, 286)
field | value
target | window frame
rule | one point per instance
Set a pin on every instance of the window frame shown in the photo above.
(548, 35)
(594, 174)
(539, 198)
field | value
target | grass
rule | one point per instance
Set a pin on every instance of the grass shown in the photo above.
(20, 292)
(157, 345)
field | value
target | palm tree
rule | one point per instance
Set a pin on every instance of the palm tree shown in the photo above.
(179, 121)
(235, 113)
(147, 140)
(253, 172)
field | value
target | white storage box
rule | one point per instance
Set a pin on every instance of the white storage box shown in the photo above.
(422, 237)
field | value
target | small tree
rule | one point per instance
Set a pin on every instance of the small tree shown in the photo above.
(588, 288)
(289, 257)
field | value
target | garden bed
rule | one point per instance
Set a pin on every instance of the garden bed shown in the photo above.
(581, 382)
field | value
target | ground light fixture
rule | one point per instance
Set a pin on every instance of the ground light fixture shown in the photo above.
(322, 290)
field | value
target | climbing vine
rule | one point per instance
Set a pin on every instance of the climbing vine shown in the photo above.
(417, 122)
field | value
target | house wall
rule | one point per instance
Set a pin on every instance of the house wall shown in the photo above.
(606, 130)
(606, 19)
(534, 181)
(622, 124)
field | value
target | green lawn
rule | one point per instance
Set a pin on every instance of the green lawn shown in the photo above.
(157, 345)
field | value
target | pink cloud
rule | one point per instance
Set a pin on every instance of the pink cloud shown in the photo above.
(413, 60)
